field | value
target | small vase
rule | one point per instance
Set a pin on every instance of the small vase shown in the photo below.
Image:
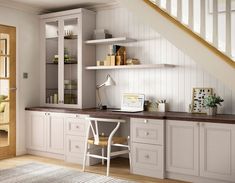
(211, 111)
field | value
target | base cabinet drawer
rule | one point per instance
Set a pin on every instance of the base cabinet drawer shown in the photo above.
(148, 131)
(147, 160)
(76, 126)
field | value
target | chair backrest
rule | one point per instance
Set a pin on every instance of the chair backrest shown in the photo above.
(93, 125)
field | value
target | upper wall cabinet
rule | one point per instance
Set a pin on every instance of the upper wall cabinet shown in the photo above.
(64, 56)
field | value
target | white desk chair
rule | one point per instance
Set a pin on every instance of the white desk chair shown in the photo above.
(105, 141)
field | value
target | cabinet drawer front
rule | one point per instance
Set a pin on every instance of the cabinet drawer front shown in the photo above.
(75, 146)
(147, 131)
(147, 160)
(76, 126)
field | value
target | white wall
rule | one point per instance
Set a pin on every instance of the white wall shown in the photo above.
(173, 84)
(27, 26)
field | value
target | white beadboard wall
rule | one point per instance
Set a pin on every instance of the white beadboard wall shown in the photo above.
(173, 84)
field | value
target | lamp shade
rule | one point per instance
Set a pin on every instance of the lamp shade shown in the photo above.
(108, 82)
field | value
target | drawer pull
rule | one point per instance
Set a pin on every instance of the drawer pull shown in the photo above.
(77, 127)
(145, 121)
(146, 156)
(77, 146)
(147, 134)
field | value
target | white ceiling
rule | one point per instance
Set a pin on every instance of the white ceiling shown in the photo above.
(54, 5)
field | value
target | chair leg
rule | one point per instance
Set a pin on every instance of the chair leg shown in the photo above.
(108, 158)
(129, 148)
(85, 157)
(102, 151)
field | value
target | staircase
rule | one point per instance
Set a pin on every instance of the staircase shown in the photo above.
(200, 28)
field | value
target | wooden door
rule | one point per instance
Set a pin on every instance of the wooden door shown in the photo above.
(7, 91)
(182, 147)
(55, 133)
(217, 151)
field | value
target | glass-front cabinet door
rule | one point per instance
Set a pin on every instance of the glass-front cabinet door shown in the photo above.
(70, 61)
(61, 44)
(52, 62)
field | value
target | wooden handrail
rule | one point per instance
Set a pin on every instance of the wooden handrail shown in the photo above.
(197, 37)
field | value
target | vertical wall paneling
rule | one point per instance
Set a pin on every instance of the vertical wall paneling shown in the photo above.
(173, 84)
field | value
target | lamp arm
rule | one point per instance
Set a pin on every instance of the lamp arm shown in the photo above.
(98, 96)
(100, 86)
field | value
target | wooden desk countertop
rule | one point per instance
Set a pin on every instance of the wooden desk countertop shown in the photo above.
(182, 116)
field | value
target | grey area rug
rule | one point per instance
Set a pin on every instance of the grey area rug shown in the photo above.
(41, 173)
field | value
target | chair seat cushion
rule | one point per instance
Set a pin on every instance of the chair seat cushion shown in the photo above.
(104, 140)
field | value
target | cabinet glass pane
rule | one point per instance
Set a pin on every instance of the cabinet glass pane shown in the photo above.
(70, 61)
(52, 62)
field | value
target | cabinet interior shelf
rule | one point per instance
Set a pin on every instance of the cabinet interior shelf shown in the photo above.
(141, 66)
(110, 41)
(65, 37)
(66, 63)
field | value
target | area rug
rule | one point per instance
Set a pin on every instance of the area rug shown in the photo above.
(41, 173)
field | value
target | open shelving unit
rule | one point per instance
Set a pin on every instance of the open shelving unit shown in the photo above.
(111, 41)
(140, 66)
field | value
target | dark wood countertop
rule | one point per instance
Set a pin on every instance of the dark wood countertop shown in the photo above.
(182, 116)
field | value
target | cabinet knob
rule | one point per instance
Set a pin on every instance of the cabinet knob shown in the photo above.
(77, 116)
(146, 133)
(77, 127)
(145, 121)
(77, 146)
(146, 156)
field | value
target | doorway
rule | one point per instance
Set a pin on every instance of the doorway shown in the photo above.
(7, 91)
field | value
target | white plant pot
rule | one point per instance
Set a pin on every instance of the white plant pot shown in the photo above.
(162, 107)
(212, 111)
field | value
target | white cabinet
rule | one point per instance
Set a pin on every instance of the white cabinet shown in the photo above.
(182, 142)
(217, 151)
(55, 133)
(36, 130)
(45, 132)
(147, 147)
(64, 56)
(204, 150)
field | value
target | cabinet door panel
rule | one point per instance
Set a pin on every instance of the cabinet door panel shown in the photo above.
(182, 147)
(55, 128)
(36, 136)
(217, 153)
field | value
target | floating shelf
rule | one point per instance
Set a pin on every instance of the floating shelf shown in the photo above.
(141, 66)
(110, 41)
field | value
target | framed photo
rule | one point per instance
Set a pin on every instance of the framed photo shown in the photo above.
(221, 6)
(198, 97)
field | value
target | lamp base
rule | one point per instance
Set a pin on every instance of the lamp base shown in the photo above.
(103, 107)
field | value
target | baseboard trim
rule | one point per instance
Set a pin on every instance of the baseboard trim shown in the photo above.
(191, 178)
(46, 154)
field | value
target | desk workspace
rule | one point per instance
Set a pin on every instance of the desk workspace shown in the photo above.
(154, 137)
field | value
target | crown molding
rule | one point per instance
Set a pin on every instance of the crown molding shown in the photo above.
(20, 7)
(38, 11)
(111, 5)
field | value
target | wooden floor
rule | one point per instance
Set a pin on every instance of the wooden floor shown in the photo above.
(119, 168)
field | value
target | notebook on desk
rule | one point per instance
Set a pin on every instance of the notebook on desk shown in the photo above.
(131, 103)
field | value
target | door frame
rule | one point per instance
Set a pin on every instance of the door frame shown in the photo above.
(10, 151)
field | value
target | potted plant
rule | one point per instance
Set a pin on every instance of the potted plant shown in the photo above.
(211, 103)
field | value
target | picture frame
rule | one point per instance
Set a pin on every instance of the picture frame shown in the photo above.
(221, 6)
(198, 96)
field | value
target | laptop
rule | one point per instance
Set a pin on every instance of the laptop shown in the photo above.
(131, 103)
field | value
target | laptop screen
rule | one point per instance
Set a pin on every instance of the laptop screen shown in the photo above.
(132, 102)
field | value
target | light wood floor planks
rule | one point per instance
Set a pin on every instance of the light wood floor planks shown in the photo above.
(119, 168)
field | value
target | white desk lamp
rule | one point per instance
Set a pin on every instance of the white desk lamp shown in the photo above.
(108, 82)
